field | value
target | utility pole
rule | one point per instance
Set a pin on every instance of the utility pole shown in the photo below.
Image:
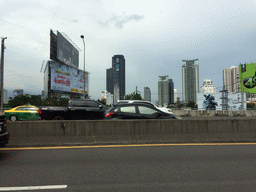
(2, 73)
(242, 88)
(84, 64)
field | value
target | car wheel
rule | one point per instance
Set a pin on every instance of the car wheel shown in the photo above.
(13, 118)
(58, 118)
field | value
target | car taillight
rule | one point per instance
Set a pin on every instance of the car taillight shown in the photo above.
(109, 114)
(39, 111)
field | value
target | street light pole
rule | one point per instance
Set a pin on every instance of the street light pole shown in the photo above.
(2, 73)
(84, 64)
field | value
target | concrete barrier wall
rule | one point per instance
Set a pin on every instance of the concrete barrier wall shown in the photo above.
(57, 133)
(211, 113)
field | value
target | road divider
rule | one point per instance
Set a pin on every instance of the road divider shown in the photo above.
(102, 132)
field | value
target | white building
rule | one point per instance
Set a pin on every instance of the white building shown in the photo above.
(207, 87)
(231, 79)
(163, 90)
(108, 97)
(175, 95)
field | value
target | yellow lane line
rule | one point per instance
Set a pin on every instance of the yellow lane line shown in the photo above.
(114, 146)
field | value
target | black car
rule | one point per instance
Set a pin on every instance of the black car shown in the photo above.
(137, 111)
(4, 134)
(77, 109)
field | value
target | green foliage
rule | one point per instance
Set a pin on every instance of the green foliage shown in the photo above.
(104, 102)
(192, 104)
(55, 100)
(250, 105)
(37, 101)
(133, 96)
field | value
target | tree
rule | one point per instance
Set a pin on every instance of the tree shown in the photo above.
(25, 100)
(133, 96)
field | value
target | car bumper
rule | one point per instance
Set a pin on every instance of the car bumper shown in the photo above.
(4, 138)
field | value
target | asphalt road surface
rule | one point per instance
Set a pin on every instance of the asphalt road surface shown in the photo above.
(141, 168)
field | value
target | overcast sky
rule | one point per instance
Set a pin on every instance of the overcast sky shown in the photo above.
(154, 37)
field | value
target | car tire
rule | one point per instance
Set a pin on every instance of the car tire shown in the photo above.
(13, 118)
(58, 118)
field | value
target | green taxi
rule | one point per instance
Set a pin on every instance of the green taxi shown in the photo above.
(24, 112)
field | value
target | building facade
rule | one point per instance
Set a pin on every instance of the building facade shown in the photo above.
(109, 81)
(118, 70)
(175, 95)
(231, 79)
(171, 91)
(147, 94)
(190, 80)
(207, 86)
(163, 90)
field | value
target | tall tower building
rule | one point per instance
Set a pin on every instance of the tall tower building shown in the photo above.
(118, 70)
(175, 95)
(147, 94)
(109, 81)
(163, 90)
(235, 79)
(190, 80)
(171, 91)
(231, 79)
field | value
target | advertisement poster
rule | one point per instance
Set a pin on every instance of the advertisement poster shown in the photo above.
(248, 73)
(234, 101)
(68, 79)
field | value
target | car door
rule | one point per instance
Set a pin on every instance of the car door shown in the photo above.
(32, 113)
(147, 112)
(127, 112)
(20, 112)
(94, 110)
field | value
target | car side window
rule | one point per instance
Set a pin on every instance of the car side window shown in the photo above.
(146, 110)
(92, 104)
(32, 109)
(128, 109)
(21, 109)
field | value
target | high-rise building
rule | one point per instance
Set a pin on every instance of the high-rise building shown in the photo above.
(231, 79)
(118, 70)
(235, 79)
(171, 91)
(163, 90)
(109, 81)
(190, 80)
(227, 79)
(207, 86)
(175, 95)
(115, 78)
(5, 96)
(147, 94)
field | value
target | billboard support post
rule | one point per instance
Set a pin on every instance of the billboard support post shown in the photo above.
(84, 64)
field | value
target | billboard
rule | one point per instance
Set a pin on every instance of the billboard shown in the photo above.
(233, 101)
(17, 92)
(66, 52)
(67, 79)
(247, 72)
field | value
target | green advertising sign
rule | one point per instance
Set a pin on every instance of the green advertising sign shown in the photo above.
(247, 73)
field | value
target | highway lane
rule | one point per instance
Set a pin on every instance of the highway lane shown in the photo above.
(141, 168)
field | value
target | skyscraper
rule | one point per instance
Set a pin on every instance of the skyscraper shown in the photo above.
(147, 94)
(171, 91)
(118, 70)
(163, 90)
(231, 79)
(109, 81)
(190, 80)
